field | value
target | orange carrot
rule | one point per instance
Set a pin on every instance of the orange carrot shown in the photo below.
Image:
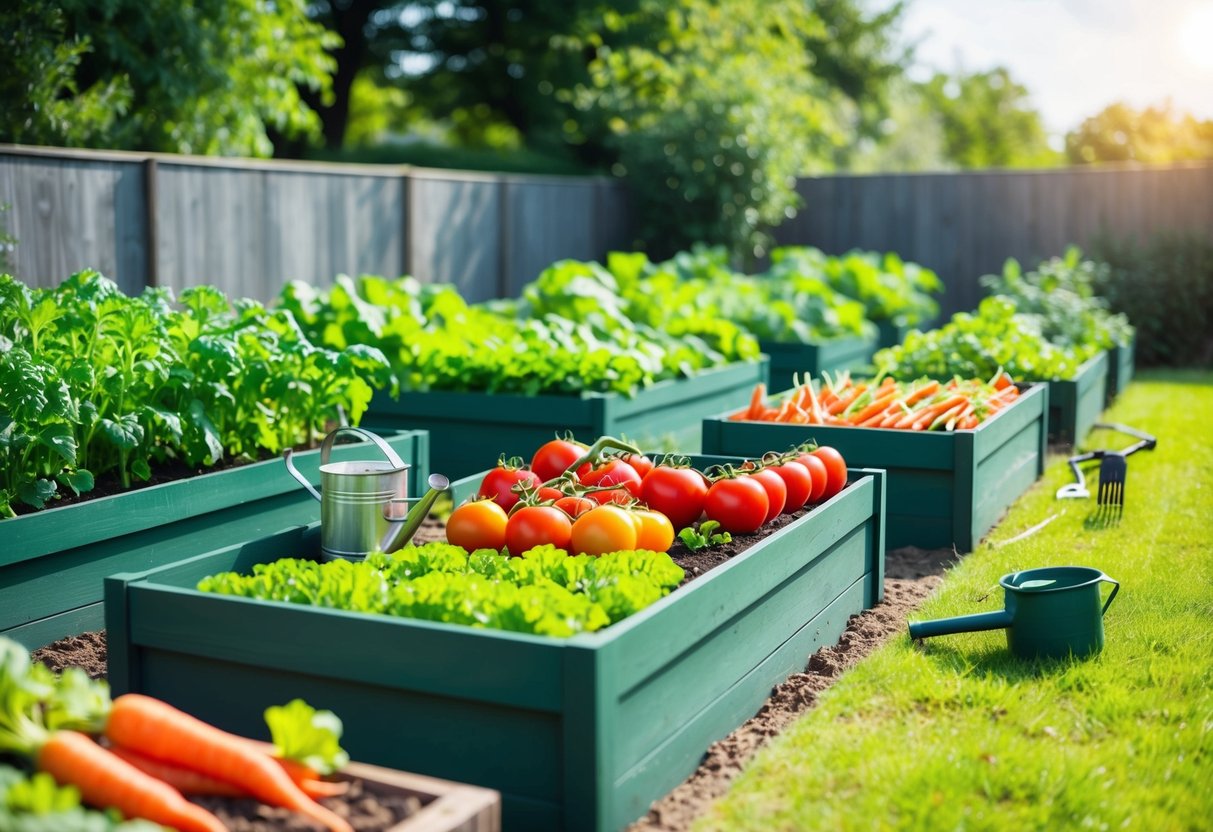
(164, 733)
(846, 401)
(105, 781)
(926, 391)
(875, 407)
(756, 401)
(184, 780)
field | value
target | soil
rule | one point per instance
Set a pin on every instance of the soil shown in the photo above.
(697, 564)
(910, 576)
(367, 808)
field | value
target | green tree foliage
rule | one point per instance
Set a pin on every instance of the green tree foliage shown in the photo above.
(987, 120)
(210, 76)
(1118, 133)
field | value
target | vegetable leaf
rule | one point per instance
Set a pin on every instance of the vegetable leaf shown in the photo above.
(308, 736)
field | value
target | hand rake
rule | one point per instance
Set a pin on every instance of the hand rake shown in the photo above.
(1112, 470)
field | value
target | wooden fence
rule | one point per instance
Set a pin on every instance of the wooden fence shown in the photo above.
(964, 225)
(250, 226)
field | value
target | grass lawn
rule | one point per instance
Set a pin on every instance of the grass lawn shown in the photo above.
(959, 735)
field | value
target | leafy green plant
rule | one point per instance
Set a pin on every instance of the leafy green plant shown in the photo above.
(704, 536)
(93, 382)
(889, 288)
(546, 591)
(1060, 291)
(435, 340)
(976, 344)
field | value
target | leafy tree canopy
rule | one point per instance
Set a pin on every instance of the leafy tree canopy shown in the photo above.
(209, 76)
(1158, 135)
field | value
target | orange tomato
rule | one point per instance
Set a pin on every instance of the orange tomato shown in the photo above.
(607, 528)
(656, 531)
(477, 525)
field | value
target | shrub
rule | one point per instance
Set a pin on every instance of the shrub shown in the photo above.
(1165, 287)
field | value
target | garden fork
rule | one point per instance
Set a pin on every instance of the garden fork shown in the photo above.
(1113, 469)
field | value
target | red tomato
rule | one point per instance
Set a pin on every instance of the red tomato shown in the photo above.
(477, 525)
(836, 468)
(817, 470)
(614, 472)
(554, 458)
(575, 506)
(532, 526)
(656, 533)
(777, 492)
(498, 482)
(678, 493)
(549, 494)
(798, 482)
(739, 505)
(641, 463)
(605, 529)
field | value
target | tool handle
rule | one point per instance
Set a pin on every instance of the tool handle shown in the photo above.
(1148, 442)
(326, 447)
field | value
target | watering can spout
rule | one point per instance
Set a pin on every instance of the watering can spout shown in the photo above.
(400, 532)
(998, 620)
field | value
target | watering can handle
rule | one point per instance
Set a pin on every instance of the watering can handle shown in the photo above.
(326, 447)
(1115, 589)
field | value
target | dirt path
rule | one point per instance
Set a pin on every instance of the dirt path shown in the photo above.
(910, 575)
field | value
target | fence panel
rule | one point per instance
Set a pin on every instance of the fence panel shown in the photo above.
(68, 214)
(455, 232)
(964, 225)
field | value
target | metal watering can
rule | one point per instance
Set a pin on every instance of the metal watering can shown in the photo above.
(1052, 612)
(362, 503)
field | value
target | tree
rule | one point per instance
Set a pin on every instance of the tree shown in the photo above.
(210, 76)
(1118, 133)
(987, 120)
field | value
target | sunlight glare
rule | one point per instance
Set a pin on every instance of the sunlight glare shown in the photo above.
(1196, 36)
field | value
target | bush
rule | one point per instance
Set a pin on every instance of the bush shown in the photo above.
(1165, 287)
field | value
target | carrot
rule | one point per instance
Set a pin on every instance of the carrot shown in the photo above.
(164, 733)
(184, 780)
(846, 401)
(874, 408)
(756, 401)
(926, 391)
(105, 781)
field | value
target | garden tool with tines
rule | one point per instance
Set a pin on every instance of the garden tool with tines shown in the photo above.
(1112, 469)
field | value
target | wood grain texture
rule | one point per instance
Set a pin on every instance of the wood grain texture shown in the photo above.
(454, 233)
(964, 225)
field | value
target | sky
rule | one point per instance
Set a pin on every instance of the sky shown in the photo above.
(1075, 56)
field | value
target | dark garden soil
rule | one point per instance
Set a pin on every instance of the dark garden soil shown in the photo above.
(368, 807)
(910, 576)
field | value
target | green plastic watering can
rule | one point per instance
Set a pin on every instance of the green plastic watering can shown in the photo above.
(1052, 612)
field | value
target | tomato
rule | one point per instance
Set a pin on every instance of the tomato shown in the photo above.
(575, 506)
(640, 462)
(777, 492)
(532, 526)
(614, 472)
(605, 529)
(498, 482)
(554, 458)
(549, 494)
(798, 482)
(739, 505)
(817, 470)
(656, 532)
(477, 525)
(678, 493)
(836, 468)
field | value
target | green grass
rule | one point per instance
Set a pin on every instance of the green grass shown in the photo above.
(958, 735)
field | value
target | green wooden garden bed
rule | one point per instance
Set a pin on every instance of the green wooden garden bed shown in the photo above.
(945, 489)
(788, 360)
(1120, 368)
(578, 734)
(468, 430)
(889, 334)
(52, 562)
(1075, 405)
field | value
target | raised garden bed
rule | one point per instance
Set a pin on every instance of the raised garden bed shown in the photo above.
(1120, 368)
(580, 733)
(945, 489)
(889, 334)
(468, 429)
(52, 562)
(810, 359)
(1075, 404)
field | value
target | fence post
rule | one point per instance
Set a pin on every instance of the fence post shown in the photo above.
(151, 273)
